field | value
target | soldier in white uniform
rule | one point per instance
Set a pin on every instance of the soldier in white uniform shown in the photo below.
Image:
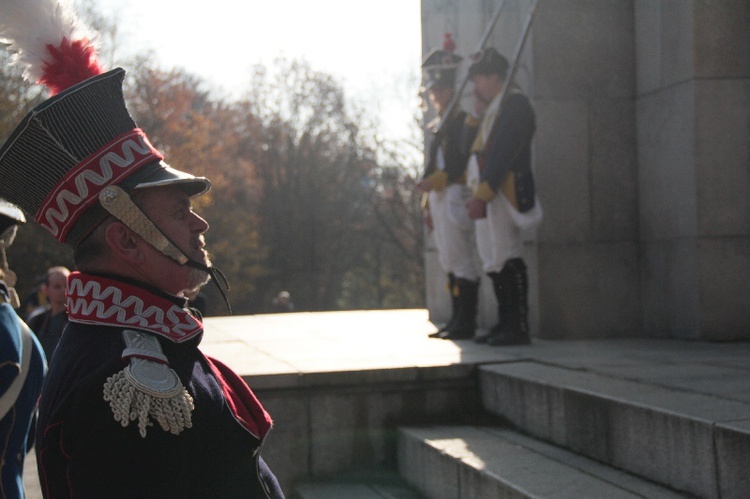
(444, 181)
(504, 200)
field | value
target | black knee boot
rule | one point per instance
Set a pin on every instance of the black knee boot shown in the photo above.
(499, 287)
(453, 291)
(514, 287)
(466, 317)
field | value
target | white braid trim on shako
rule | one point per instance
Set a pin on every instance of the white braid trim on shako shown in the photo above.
(148, 388)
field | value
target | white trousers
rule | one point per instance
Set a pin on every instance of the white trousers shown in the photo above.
(453, 231)
(498, 238)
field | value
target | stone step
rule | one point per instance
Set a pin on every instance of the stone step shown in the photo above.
(683, 439)
(373, 484)
(493, 462)
(348, 491)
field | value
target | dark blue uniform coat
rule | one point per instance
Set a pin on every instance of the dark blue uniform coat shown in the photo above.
(84, 453)
(17, 426)
(508, 151)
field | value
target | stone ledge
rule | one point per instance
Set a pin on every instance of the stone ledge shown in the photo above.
(466, 461)
(663, 434)
(373, 484)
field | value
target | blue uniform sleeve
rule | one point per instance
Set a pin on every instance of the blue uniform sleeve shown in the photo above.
(10, 346)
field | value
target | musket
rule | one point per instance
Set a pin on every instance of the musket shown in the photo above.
(516, 56)
(440, 131)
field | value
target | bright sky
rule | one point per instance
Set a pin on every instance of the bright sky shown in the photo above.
(373, 48)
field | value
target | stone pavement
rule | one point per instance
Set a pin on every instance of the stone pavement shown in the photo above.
(291, 350)
(279, 350)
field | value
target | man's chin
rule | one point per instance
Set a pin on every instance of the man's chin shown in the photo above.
(197, 278)
(200, 280)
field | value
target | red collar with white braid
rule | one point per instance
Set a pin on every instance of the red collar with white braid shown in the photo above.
(109, 302)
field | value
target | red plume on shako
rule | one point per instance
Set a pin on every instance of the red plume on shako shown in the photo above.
(49, 43)
(448, 43)
(440, 65)
(59, 74)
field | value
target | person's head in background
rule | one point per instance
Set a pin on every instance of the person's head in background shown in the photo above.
(55, 284)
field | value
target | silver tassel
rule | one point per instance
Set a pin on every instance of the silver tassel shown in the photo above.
(147, 390)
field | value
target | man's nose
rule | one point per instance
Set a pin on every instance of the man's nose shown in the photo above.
(199, 223)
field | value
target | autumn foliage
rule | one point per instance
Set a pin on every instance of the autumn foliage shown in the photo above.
(304, 199)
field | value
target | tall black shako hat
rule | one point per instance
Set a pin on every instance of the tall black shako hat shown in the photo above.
(72, 147)
(488, 61)
(440, 65)
(79, 150)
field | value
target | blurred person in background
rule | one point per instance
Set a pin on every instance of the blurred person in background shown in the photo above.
(446, 194)
(48, 323)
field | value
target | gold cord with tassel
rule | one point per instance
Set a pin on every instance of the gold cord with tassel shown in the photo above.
(148, 390)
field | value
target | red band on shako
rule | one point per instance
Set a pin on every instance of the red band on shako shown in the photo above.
(80, 187)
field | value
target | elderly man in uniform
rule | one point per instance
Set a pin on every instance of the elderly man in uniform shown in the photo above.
(131, 407)
(22, 368)
(444, 181)
(504, 200)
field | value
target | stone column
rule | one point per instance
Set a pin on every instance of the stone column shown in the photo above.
(642, 161)
(693, 108)
(584, 86)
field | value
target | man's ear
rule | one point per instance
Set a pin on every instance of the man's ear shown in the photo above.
(123, 242)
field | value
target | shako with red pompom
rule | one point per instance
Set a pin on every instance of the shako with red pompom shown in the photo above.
(440, 65)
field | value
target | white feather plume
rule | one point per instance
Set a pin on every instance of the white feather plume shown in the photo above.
(28, 26)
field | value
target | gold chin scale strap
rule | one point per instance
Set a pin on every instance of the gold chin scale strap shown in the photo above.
(118, 203)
